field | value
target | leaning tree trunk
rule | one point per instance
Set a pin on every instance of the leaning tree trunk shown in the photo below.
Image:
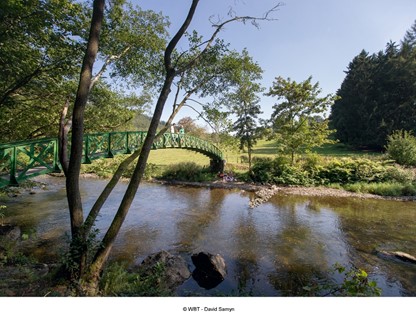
(91, 278)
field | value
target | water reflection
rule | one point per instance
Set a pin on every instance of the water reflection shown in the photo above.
(274, 249)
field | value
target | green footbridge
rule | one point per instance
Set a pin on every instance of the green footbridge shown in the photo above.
(23, 160)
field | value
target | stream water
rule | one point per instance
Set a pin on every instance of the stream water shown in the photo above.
(274, 249)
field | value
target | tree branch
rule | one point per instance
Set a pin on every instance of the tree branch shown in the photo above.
(107, 62)
(220, 26)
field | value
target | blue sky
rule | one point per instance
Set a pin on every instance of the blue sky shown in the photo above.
(315, 38)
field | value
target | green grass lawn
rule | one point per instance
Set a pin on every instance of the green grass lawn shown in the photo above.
(171, 156)
(264, 148)
(341, 150)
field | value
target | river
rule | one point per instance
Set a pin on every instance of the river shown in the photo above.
(274, 249)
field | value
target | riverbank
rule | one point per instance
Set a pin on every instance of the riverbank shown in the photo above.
(319, 191)
(43, 183)
(228, 227)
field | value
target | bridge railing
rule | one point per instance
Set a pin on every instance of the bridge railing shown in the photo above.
(22, 160)
(26, 159)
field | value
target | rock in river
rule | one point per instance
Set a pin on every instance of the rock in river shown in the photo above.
(399, 255)
(209, 270)
(175, 272)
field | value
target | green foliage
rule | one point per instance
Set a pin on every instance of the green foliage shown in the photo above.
(244, 103)
(117, 281)
(377, 95)
(187, 171)
(296, 122)
(356, 283)
(358, 175)
(348, 170)
(279, 171)
(382, 188)
(79, 246)
(43, 42)
(401, 147)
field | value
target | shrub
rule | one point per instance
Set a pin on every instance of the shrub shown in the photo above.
(401, 147)
(383, 188)
(348, 170)
(187, 171)
(358, 175)
(263, 170)
(398, 174)
(279, 171)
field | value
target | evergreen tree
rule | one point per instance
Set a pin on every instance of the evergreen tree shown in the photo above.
(244, 103)
(378, 95)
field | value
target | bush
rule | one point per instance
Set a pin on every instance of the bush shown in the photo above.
(347, 170)
(187, 171)
(106, 167)
(383, 189)
(279, 171)
(315, 170)
(263, 170)
(401, 147)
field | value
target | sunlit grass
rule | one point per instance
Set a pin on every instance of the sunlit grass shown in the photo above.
(263, 148)
(170, 156)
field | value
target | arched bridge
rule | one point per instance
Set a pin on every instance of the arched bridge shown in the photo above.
(22, 160)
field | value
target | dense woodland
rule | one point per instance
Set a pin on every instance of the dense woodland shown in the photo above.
(378, 95)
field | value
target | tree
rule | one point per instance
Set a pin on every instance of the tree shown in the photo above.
(377, 95)
(191, 127)
(219, 119)
(72, 171)
(244, 103)
(353, 107)
(297, 121)
(39, 41)
(88, 275)
(42, 45)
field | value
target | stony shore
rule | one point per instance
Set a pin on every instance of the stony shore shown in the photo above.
(320, 191)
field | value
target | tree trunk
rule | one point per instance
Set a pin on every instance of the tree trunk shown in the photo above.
(74, 167)
(63, 139)
(249, 158)
(103, 252)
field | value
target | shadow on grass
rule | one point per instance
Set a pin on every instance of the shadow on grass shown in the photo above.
(342, 150)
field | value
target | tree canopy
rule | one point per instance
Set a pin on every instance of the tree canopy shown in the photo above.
(378, 95)
(42, 42)
(297, 121)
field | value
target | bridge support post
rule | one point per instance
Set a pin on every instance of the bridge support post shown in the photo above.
(56, 167)
(217, 165)
(13, 160)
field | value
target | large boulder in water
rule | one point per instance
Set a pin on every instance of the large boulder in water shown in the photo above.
(175, 271)
(209, 270)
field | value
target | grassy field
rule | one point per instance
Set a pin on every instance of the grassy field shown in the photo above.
(263, 149)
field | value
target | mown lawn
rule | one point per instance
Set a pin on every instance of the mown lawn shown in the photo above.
(263, 149)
